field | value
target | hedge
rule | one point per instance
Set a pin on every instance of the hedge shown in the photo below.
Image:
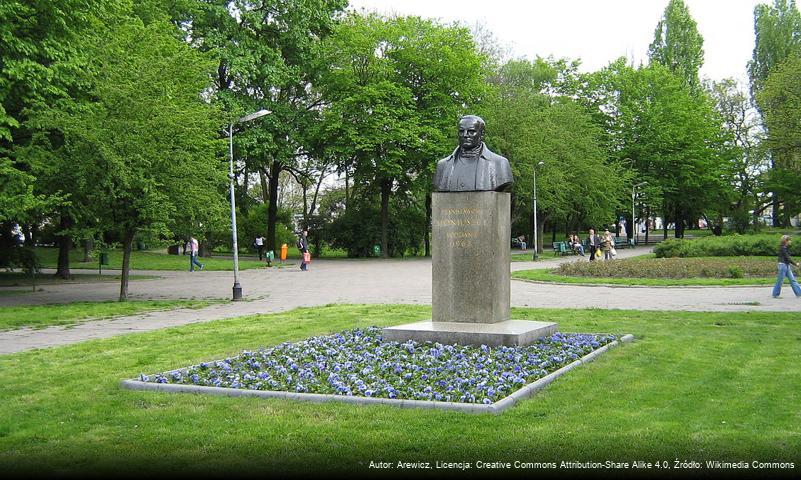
(725, 246)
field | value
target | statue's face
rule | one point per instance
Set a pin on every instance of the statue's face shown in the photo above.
(471, 133)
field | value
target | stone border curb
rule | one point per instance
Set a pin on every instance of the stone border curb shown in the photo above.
(494, 408)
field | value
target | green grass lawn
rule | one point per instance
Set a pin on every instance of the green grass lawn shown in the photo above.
(143, 260)
(693, 386)
(41, 316)
(544, 275)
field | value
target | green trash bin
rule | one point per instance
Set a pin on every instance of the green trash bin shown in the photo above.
(377, 250)
(103, 261)
(140, 245)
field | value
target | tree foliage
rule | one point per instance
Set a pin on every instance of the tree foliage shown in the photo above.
(145, 150)
(781, 103)
(578, 184)
(677, 44)
(672, 137)
(395, 90)
(777, 31)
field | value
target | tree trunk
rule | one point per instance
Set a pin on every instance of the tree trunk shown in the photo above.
(28, 235)
(272, 206)
(127, 244)
(347, 188)
(647, 220)
(775, 200)
(678, 231)
(88, 245)
(427, 238)
(630, 228)
(386, 189)
(64, 247)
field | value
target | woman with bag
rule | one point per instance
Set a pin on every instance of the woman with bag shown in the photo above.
(303, 246)
(608, 244)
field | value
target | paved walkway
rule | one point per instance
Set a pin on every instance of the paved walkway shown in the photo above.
(353, 281)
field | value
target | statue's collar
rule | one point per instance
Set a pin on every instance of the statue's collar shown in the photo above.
(469, 154)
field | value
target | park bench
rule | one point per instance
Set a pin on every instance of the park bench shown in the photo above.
(620, 242)
(560, 248)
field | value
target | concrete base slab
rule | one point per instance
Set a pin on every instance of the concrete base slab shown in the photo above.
(510, 332)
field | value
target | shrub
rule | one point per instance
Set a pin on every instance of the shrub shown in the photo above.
(736, 272)
(726, 246)
(671, 268)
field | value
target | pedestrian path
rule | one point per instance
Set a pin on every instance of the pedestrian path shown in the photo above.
(370, 281)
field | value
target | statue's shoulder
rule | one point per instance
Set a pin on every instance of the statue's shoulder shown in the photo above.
(447, 159)
(492, 156)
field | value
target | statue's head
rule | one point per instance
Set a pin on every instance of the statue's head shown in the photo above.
(471, 131)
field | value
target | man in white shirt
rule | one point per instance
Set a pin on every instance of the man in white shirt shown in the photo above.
(260, 245)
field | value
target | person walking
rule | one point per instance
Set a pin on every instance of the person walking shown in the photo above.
(260, 245)
(303, 246)
(593, 243)
(193, 251)
(608, 244)
(785, 269)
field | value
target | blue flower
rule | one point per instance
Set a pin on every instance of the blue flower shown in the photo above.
(390, 369)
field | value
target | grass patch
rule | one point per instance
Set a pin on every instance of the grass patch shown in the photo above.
(41, 316)
(19, 279)
(720, 386)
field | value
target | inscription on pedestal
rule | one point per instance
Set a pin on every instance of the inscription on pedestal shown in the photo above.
(471, 256)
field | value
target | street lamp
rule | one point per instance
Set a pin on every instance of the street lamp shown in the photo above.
(237, 287)
(534, 201)
(633, 222)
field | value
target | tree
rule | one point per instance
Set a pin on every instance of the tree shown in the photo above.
(147, 146)
(43, 60)
(266, 55)
(777, 32)
(527, 123)
(677, 44)
(672, 136)
(749, 161)
(781, 105)
(394, 92)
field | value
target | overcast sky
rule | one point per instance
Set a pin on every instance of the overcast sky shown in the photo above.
(595, 31)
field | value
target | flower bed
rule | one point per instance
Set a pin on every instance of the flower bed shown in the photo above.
(358, 363)
(738, 267)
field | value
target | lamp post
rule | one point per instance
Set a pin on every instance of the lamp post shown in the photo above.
(634, 234)
(237, 286)
(534, 201)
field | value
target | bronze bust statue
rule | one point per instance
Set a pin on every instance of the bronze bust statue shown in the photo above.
(472, 166)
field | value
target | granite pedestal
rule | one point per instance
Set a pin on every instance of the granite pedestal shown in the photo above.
(471, 287)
